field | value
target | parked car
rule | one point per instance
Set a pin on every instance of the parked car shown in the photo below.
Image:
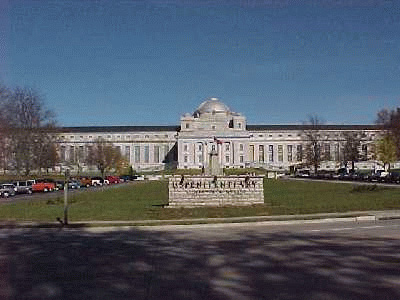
(394, 177)
(7, 190)
(43, 185)
(74, 184)
(124, 178)
(86, 181)
(138, 177)
(23, 187)
(113, 179)
(59, 185)
(97, 181)
(379, 176)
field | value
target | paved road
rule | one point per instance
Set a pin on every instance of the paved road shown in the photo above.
(344, 260)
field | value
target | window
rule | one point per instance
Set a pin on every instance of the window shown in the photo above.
(185, 147)
(241, 147)
(227, 147)
(200, 147)
(251, 153)
(62, 153)
(185, 159)
(186, 125)
(261, 153)
(137, 154)
(156, 153)
(146, 154)
(227, 159)
(327, 151)
(72, 154)
(241, 158)
(299, 153)
(289, 152)
(127, 152)
(271, 153)
(240, 125)
(337, 152)
(81, 154)
(364, 150)
(280, 153)
(166, 150)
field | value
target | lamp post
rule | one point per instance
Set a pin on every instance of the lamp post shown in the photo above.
(66, 196)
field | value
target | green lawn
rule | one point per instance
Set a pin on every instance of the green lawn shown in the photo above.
(143, 201)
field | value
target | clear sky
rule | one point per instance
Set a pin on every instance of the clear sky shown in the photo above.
(125, 62)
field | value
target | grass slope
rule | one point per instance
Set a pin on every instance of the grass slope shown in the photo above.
(144, 201)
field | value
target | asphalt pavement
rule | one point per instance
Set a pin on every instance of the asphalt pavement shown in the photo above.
(251, 261)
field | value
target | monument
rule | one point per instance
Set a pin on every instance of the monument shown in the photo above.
(213, 188)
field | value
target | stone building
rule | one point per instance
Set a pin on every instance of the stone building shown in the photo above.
(213, 132)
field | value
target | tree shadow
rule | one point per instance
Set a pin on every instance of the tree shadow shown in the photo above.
(138, 264)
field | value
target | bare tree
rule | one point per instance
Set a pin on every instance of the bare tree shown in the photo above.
(313, 145)
(32, 129)
(104, 156)
(351, 147)
(4, 96)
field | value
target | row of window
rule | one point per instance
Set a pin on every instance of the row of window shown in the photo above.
(118, 137)
(199, 147)
(296, 152)
(141, 154)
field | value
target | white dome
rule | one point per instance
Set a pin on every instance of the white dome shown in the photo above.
(212, 105)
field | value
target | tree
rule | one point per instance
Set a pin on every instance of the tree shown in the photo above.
(31, 130)
(386, 149)
(4, 96)
(104, 156)
(390, 121)
(351, 147)
(313, 146)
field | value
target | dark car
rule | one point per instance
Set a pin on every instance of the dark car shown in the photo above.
(394, 177)
(74, 184)
(125, 178)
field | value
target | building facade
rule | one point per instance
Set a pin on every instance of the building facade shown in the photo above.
(213, 130)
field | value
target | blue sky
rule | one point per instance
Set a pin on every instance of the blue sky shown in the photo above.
(148, 62)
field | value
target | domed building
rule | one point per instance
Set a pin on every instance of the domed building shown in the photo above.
(213, 130)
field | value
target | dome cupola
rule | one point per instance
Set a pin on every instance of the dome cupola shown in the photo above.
(212, 105)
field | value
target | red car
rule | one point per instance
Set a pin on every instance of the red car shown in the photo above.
(113, 179)
(43, 186)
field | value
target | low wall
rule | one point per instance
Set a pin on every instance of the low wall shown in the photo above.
(194, 191)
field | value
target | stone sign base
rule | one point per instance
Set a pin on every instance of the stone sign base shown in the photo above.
(198, 191)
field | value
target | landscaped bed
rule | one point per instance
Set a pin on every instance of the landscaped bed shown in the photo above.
(146, 201)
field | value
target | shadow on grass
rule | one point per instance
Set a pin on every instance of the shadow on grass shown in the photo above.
(137, 264)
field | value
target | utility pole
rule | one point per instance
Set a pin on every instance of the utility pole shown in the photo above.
(66, 196)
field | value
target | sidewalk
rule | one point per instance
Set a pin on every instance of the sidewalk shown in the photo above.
(356, 216)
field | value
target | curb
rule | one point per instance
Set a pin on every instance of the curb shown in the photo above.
(218, 222)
